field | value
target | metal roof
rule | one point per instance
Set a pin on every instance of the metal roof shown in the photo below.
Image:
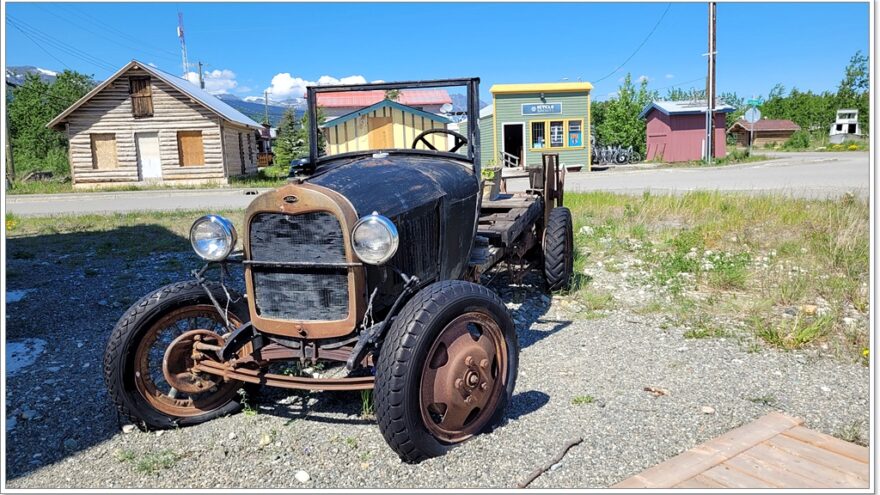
(355, 99)
(767, 125)
(197, 94)
(559, 87)
(381, 104)
(684, 107)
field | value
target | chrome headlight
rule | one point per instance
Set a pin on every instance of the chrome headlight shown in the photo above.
(213, 237)
(374, 239)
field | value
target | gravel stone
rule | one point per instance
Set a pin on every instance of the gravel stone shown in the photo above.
(612, 357)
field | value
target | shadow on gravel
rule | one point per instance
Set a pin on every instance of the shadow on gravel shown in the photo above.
(74, 288)
(525, 403)
(320, 407)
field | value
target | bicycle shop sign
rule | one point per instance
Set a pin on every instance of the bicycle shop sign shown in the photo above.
(541, 108)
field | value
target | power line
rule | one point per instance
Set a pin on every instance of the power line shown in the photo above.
(61, 45)
(40, 46)
(633, 54)
(99, 33)
(98, 22)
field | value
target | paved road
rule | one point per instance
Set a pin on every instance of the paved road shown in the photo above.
(810, 174)
(127, 201)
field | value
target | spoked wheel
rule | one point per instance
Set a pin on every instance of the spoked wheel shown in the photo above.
(446, 370)
(461, 386)
(164, 359)
(149, 357)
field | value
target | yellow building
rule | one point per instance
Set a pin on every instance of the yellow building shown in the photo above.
(383, 125)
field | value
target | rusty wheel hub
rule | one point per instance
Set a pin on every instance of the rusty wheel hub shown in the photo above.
(182, 354)
(166, 354)
(463, 377)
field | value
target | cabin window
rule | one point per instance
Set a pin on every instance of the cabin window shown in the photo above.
(190, 148)
(839, 127)
(141, 96)
(538, 135)
(104, 151)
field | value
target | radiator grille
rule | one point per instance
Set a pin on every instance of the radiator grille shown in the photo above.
(307, 293)
(419, 243)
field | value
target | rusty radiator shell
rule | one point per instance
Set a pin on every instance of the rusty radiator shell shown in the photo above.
(294, 199)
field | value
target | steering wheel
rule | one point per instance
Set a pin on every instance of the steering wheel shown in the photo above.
(459, 139)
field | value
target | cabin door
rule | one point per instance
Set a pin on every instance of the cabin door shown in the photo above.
(149, 164)
(381, 136)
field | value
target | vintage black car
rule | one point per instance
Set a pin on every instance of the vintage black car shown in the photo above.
(368, 261)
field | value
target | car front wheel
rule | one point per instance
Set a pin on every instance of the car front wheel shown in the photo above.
(446, 371)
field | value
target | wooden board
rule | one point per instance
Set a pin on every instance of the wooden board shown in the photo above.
(774, 451)
(506, 219)
(192, 149)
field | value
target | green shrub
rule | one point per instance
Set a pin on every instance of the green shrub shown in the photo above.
(800, 140)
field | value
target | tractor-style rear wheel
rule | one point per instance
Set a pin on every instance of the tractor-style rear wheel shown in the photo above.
(559, 249)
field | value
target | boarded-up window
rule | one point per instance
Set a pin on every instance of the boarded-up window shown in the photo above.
(190, 148)
(103, 151)
(141, 96)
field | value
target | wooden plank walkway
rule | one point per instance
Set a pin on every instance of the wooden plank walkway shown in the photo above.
(775, 451)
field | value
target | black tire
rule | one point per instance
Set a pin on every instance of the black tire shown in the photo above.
(405, 349)
(119, 374)
(559, 249)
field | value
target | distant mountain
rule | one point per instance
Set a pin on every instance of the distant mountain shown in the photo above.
(16, 75)
(459, 103)
(253, 107)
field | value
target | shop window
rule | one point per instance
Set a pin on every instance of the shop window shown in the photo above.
(103, 151)
(575, 138)
(190, 148)
(556, 134)
(538, 138)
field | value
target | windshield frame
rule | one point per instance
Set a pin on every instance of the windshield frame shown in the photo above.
(473, 130)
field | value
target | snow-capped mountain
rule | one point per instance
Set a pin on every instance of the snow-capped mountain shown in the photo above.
(253, 107)
(16, 75)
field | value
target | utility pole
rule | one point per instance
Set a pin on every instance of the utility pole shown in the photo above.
(266, 106)
(710, 88)
(201, 76)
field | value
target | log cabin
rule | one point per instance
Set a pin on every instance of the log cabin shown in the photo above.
(144, 125)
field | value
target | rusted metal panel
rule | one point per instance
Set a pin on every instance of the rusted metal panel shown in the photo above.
(298, 199)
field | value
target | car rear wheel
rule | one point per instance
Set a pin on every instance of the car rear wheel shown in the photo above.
(559, 249)
(148, 356)
(446, 370)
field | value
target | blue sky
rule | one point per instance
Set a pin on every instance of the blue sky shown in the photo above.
(251, 47)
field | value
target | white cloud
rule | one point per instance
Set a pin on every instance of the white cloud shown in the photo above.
(243, 89)
(217, 81)
(285, 86)
(644, 78)
(669, 76)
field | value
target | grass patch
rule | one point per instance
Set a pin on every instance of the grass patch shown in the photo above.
(582, 400)
(852, 432)
(795, 334)
(763, 400)
(125, 455)
(735, 256)
(368, 407)
(154, 462)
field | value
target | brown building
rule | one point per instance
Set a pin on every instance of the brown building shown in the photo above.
(146, 125)
(766, 132)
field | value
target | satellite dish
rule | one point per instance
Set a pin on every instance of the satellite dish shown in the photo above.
(446, 108)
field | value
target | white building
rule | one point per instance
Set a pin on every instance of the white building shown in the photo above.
(846, 126)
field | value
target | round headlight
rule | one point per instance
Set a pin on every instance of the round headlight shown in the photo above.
(213, 237)
(374, 239)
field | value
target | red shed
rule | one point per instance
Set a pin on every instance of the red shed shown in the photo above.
(676, 130)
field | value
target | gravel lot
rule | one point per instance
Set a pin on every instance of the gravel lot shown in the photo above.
(62, 432)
